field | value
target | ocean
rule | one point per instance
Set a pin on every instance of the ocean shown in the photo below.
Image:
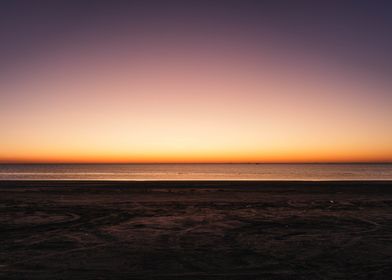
(195, 171)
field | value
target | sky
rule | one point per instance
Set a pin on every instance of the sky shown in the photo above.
(195, 81)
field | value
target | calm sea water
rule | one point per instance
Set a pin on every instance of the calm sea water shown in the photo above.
(196, 172)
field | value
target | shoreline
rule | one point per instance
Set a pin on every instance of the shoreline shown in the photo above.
(232, 185)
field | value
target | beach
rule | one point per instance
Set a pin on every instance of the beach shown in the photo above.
(196, 229)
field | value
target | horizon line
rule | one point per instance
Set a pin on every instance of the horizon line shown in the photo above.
(155, 163)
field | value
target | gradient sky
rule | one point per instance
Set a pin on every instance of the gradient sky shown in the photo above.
(195, 81)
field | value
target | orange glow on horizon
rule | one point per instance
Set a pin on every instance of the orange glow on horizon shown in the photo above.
(193, 104)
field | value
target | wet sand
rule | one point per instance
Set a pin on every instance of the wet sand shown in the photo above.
(195, 230)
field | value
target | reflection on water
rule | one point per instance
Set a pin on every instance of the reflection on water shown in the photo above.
(196, 172)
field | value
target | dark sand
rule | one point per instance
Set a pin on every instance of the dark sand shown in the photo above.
(196, 230)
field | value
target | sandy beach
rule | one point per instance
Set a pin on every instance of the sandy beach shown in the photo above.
(195, 230)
